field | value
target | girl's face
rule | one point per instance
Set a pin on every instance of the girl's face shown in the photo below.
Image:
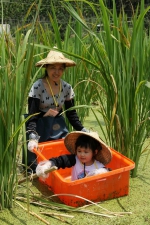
(55, 71)
(85, 155)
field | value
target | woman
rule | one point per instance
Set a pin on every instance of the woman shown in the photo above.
(47, 97)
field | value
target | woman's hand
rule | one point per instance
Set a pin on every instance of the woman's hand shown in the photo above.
(33, 141)
(85, 130)
(32, 144)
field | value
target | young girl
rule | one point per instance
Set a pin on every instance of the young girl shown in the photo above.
(89, 155)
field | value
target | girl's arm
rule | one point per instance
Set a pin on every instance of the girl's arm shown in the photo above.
(63, 161)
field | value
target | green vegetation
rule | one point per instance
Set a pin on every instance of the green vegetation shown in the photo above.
(15, 11)
(111, 79)
(116, 59)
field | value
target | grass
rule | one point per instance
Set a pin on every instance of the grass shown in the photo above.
(124, 108)
(137, 202)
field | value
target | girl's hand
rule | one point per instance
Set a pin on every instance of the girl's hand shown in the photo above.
(97, 171)
(42, 167)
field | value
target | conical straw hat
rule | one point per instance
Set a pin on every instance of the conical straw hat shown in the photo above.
(104, 155)
(55, 57)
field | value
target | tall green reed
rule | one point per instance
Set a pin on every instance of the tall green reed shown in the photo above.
(15, 75)
(107, 74)
(16, 62)
(118, 57)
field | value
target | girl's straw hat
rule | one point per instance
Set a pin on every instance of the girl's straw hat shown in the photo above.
(55, 57)
(104, 155)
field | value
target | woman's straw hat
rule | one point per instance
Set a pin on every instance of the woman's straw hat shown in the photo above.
(104, 155)
(55, 57)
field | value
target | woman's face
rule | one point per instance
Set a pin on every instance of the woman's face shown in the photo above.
(55, 71)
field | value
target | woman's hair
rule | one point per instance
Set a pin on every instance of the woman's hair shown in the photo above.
(45, 74)
(87, 142)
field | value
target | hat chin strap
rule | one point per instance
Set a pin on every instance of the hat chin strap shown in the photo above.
(84, 171)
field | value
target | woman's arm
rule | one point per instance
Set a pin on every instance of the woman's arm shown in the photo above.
(72, 115)
(33, 107)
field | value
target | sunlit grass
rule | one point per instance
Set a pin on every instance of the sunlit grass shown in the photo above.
(111, 76)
